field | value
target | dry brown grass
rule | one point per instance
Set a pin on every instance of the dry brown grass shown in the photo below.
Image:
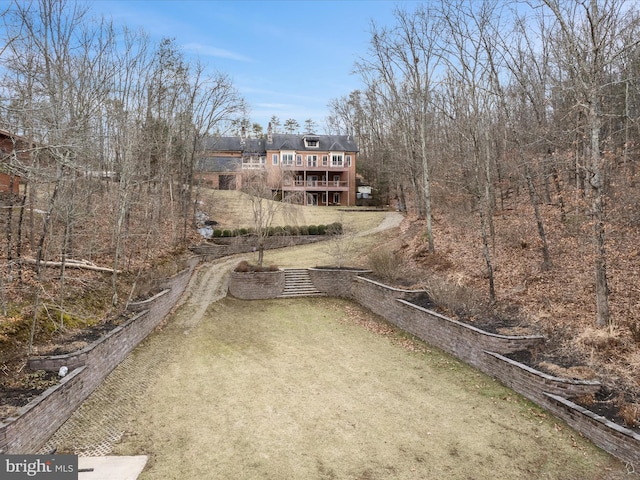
(299, 389)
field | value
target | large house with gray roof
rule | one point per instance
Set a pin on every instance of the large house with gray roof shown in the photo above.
(310, 169)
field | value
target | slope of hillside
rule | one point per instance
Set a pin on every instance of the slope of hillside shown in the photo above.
(558, 302)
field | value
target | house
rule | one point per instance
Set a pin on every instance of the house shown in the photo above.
(10, 144)
(308, 169)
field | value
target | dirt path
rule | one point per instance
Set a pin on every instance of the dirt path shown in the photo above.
(312, 388)
(391, 220)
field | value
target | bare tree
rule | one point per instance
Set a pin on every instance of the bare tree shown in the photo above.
(589, 44)
(264, 193)
(401, 71)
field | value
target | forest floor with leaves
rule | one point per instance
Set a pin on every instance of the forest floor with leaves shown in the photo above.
(557, 302)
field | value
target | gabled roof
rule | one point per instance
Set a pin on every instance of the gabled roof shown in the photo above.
(233, 144)
(282, 141)
(219, 164)
(335, 143)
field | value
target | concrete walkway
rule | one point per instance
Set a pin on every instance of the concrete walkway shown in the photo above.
(111, 468)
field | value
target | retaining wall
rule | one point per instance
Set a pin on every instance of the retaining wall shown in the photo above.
(334, 282)
(457, 338)
(611, 437)
(482, 350)
(256, 285)
(37, 421)
(222, 247)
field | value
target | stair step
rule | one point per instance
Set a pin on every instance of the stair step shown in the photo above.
(297, 283)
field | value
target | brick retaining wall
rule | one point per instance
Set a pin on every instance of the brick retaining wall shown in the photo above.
(483, 349)
(464, 341)
(37, 421)
(532, 383)
(611, 437)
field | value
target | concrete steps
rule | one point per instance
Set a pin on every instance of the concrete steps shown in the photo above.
(297, 283)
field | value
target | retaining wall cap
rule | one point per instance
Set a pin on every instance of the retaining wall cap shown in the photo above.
(151, 299)
(346, 269)
(569, 404)
(471, 327)
(35, 401)
(390, 288)
(570, 381)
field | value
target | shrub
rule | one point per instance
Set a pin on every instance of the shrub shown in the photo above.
(322, 229)
(243, 267)
(243, 231)
(227, 233)
(334, 228)
(246, 267)
(457, 299)
(304, 230)
(291, 230)
(313, 230)
(385, 264)
(217, 232)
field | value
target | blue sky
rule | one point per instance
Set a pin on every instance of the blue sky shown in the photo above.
(287, 58)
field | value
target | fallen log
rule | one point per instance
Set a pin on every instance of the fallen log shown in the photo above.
(71, 264)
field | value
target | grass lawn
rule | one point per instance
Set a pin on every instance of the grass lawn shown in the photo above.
(319, 389)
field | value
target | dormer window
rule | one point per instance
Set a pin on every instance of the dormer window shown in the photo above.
(311, 141)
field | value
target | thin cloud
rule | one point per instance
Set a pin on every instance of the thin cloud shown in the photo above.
(210, 51)
(275, 106)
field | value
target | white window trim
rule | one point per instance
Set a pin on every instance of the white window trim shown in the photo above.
(274, 158)
(292, 153)
(311, 162)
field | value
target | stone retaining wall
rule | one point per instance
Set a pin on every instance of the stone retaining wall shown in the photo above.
(38, 420)
(334, 282)
(223, 247)
(256, 285)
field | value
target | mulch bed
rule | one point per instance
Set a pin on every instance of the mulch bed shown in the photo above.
(19, 385)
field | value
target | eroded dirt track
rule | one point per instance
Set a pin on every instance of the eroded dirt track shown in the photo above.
(102, 420)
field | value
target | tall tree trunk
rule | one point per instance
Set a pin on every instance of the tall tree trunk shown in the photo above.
(597, 185)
